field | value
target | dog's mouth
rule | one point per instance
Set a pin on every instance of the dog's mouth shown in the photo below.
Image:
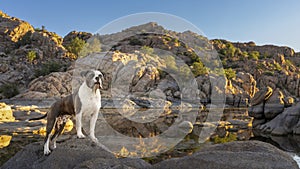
(97, 85)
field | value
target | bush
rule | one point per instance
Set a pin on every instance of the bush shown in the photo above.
(48, 68)
(31, 56)
(198, 69)
(254, 55)
(230, 73)
(134, 41)
(93, 45)
(171, 63)
(75, 46)
(9, 90)
(147, 50)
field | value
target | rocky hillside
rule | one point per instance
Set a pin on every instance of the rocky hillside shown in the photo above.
(29, 55)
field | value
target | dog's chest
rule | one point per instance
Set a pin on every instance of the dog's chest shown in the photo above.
(90, 101)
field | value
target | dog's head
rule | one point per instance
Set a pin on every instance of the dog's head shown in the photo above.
(93, 79)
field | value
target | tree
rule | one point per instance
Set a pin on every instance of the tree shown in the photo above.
(92, 46)
(75, 46)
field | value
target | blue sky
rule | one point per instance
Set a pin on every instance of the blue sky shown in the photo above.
(262, 21)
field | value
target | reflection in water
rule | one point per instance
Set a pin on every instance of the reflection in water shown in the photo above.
(290, 143)
(5, 140)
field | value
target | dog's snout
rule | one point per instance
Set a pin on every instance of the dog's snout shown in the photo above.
(97, 79)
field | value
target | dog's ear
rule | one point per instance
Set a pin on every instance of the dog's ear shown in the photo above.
(84, 73)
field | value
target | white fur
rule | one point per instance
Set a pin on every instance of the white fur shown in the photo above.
(90, 106)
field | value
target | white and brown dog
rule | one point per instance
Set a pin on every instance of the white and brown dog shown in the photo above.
(85, 102)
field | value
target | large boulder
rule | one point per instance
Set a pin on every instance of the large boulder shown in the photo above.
(247, 154)
(74, 153)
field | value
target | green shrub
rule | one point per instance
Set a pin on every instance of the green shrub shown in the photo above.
(75, 46)
(230, 73)
(147, 50)
(277, 66)
(31, 56)
(231, 137)
(171, 63)
(134, 41)
(92, 46)
(48, 68)
(269, 73)
(198, 69)
(254, 55)
(9, 90)
(230, 50)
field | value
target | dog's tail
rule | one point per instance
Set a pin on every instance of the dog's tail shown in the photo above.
(37, 118)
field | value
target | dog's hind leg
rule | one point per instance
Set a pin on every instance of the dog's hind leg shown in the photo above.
(49, 128)
(60, 124)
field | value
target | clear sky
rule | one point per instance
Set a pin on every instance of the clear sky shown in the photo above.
(262, 21)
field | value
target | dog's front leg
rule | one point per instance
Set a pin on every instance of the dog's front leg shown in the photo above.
(79, 125)
(92, 126)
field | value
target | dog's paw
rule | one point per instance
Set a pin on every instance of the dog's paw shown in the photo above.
(94, 139)
(47, 152)
(80, 135)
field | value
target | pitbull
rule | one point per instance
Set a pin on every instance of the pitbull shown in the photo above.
(85, 102)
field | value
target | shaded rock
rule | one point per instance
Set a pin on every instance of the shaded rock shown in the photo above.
(261, 96)
(285, 123)
(256, 111)
(246, 154)
(257, 122)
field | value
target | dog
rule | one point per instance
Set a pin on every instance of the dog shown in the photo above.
(85, 102)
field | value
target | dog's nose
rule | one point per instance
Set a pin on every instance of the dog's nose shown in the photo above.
(97, 79)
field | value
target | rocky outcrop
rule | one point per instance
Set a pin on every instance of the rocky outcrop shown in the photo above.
(272, 113)
(288, 122)
(73, 34)
(27, 53)
(266, 105)
(11, 30)
(81, 153)
(240, 89)
(56, 84)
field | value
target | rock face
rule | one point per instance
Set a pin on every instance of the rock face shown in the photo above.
(288, 122)
(268, 108)
(81, 153)
(11, 30)
(56, 84)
